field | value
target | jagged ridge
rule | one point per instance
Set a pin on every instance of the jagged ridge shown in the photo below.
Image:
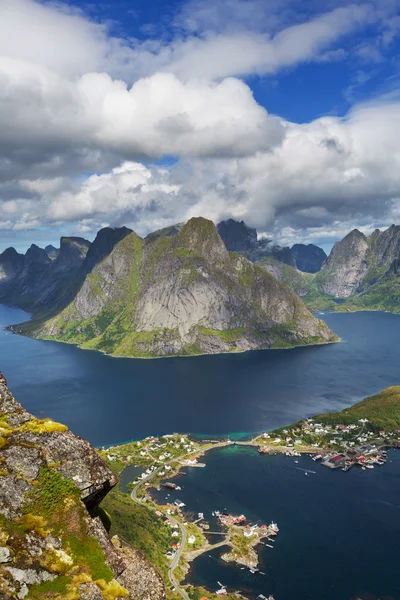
(181, 295)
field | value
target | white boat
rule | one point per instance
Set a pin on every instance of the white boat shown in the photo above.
(274, 527)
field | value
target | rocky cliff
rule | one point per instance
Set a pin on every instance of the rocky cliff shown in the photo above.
(182, 294)
(309, 258)
(346, 266)
(360, 265)
(45, 281)
(298, 281)
(238, 237)
(38, 283)
(52, 546)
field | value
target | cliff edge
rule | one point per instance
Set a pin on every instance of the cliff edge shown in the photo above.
(52, 544)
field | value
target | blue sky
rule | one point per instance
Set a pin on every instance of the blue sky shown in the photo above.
(299, 94)
(282, 113)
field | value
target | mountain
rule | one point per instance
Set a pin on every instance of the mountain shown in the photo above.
(298, 281)
(45, 281)
(11, 265)
(309, 258)
(346, 266)
(53, 544)
(181, 294)
(52, 251)
(364, 270)
(104, 242)
(239, 237)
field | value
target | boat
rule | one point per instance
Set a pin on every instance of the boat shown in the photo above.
(369, 466)
(306, 473)
(274, 527)
(317, 457)
(169, 485)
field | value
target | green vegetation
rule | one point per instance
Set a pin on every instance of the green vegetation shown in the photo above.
(382, 411)
(144, 282)
(383, 295)
(50, 493)
(226, 335)
(373, 420)
(140, 527)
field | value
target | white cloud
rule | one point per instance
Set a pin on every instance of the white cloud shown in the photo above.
(75, 100)
(330, 173)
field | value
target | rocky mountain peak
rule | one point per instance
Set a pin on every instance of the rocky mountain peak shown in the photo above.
(36, 255)
(11, 264)
(201, 237)
(236, 235)
(52, 251)
(346, 266)
(239, 237)
(387, 246)
(103, 244)
(73, 252)
(309, 258)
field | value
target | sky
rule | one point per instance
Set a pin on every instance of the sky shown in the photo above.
(281, 113)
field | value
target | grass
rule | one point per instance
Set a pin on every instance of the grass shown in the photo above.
(53, 505)
(226, 335)
(140, 527)
(382, 411)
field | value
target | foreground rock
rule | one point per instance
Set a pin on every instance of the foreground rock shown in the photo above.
(51, 543)
(181, 294)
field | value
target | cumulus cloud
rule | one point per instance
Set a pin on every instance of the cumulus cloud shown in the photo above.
(48, 116)
(76, 100)
(331, 173)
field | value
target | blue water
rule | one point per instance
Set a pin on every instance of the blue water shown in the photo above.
(339, 532)
(108, 400)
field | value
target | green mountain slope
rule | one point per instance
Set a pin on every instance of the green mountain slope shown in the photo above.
(181, 295)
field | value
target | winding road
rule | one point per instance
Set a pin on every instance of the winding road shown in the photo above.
(184, 535)
(178, 554)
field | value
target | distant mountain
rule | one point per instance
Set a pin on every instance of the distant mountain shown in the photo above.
(41, 284)
(51, 251)
(180, 294)
(309, 258)
(239, 237)
(362, 272)
(37, 282)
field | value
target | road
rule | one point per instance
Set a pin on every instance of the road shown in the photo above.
(178, 554)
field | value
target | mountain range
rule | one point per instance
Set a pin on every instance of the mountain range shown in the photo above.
(195, 288)
(179, 291)
(361, 272)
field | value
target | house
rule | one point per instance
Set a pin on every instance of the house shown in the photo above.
(191, 540)
(248, 533)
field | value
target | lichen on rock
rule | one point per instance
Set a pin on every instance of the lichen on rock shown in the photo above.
(51, 545)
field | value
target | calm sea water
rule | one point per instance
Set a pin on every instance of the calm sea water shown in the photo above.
(108, 400)
(339, 531)
(338, 535)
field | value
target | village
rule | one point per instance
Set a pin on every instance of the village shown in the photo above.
(335, 445)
